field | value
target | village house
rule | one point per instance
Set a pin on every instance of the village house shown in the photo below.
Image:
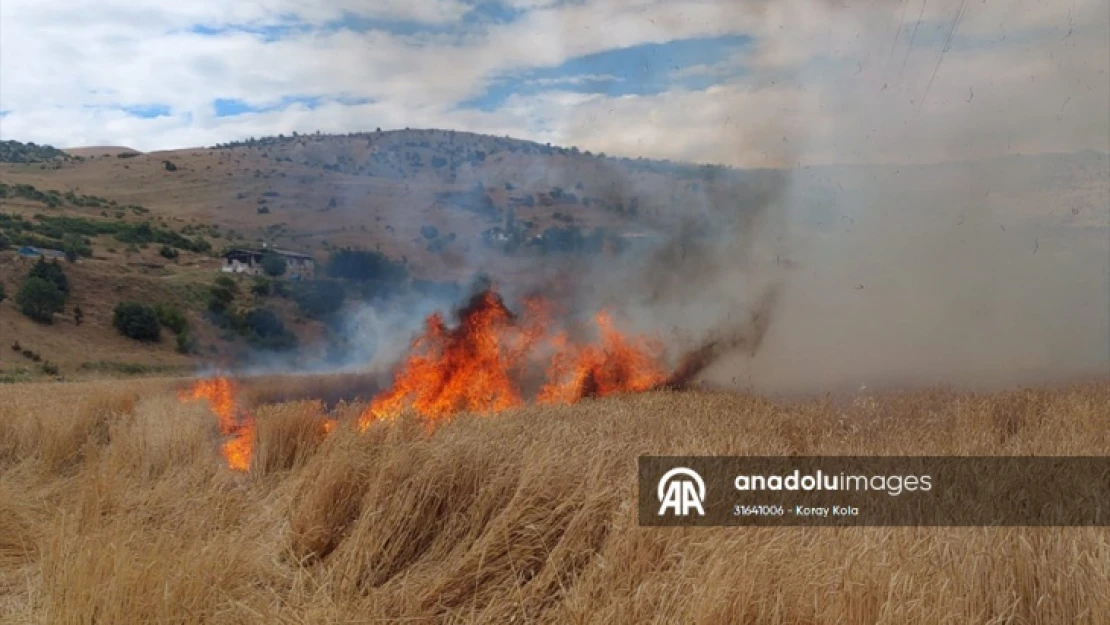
(297, 266)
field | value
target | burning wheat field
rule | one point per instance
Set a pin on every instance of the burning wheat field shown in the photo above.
(492, 479)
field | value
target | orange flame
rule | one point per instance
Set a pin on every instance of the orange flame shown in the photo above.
(477, 366)
(466, 369)
(220, 393)
(237, 451)
(617, 365)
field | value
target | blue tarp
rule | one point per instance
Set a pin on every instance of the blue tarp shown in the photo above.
(34, 252)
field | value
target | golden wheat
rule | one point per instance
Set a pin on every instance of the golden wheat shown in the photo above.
(115, 507)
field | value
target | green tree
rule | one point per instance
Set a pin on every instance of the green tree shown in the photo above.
(186, 344)
(74, 247)
(221, 294)
(171, 317)
(273, 264)
(39, 299)
(319, 298)
(264, 329)
(261, 286)
(137, 321)
(51, 272)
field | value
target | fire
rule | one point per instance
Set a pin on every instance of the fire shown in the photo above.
(482, 365)
(469, 368)
(220, 393)
(617, 365)
(479, 365)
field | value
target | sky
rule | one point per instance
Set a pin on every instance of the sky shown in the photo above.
(739, 82)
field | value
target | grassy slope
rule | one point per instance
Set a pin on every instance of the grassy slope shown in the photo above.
(383, 198)
(115, 507)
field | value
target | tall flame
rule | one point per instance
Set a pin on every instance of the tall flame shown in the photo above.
(617, 365)
(220, 393)
(478, 365)
(470, 368)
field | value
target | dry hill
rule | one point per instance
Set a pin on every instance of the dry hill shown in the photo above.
(424, 198)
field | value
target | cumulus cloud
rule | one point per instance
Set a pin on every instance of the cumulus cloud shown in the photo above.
(817, 82)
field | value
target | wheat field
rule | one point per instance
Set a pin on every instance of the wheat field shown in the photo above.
(116, 507)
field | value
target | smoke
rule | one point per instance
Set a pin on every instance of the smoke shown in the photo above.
(810, 277)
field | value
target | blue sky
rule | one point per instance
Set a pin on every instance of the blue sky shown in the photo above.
(704, 80)
(645, 69)
(642, 69)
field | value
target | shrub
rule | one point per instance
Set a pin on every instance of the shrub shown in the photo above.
(39, 299)
(219, 298)
(228, 283)
(137, 321)
(171, 317)
(49, 368)
(264, 329)
(273, 264)
(3, 293)
(186, 344)
(169, 165)
(75, 246)
(168, 252)
(261, 286)
(51, 272)
(429, 232)
(365, 266)
(264, 322)
(319, 298)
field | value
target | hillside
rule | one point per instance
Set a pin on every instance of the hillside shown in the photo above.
(427, 199)
(100, 150)
(430, 200)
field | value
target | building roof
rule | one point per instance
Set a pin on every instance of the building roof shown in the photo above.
(240, 252)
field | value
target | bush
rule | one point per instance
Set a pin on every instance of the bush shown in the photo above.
(228, 283)
(264, 329)
(171, 317)
(39, 299)
(51, 272)
(365, 266)
(74, 247)
(221, 294)
(261, 286)
(186, 344)
(137, 321)
(3, 293)
(169, 165)
(168, 252)
(273, 264)
(319, 298)
(429, 232)
(49, 368)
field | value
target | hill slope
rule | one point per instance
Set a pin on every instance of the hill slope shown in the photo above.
(427, 198)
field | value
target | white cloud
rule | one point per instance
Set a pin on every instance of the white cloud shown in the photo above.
(839, 81)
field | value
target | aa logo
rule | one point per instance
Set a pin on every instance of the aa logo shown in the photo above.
(681, 490)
